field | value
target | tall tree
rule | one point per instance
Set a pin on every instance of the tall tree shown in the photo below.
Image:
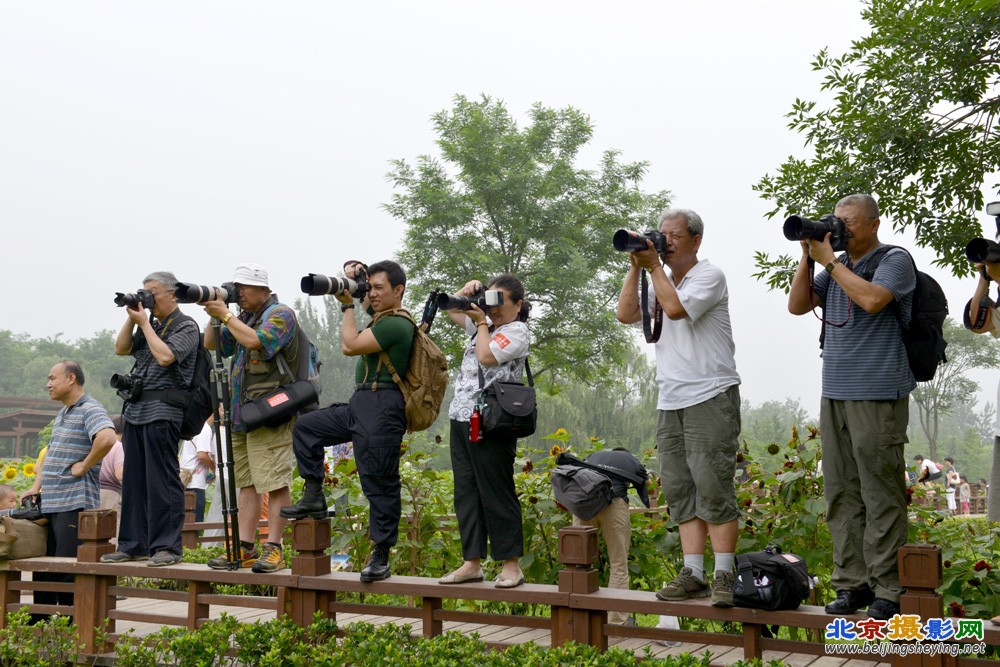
(506, 198)
(912, 121)
(950, 386)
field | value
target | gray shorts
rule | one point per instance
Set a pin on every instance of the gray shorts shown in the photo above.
(697, 449)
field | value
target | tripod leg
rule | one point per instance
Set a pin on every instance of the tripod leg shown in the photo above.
(226, 480)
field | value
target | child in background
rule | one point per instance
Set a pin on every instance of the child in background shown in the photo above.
(964, 494)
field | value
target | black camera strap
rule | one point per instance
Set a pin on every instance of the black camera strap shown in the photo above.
(652, 333)
(843, 259)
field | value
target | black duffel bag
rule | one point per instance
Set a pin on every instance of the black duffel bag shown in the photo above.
(279, 406)
(508, 408)
(771, 580)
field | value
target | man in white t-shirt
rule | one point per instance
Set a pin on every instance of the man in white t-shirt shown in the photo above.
(196, 458)
(699, 400)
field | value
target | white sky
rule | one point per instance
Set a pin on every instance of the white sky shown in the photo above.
(192, 136)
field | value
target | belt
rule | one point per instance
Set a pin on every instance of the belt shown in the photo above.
(376, 386)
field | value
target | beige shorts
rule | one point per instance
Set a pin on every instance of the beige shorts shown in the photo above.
(263, 458)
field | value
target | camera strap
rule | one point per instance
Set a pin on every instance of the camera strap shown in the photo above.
(652, 333)
(812, 290)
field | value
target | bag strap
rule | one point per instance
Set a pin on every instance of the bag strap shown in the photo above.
(383, 356)
(744, 569)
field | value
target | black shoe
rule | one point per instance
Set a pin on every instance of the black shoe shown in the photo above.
(882, 609)
(378, 565)
(849, 601)
(312, 505)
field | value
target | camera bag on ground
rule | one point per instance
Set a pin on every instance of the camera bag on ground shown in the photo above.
(583, 491)
(296, 397)
(508, 409)
(20, 538)
(923, 336)
(426, 375)
(771, 580)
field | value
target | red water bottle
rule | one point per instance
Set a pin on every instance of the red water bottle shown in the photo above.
(474, 426)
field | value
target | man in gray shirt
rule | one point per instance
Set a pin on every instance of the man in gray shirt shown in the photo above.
(865, 406)
(152, 493)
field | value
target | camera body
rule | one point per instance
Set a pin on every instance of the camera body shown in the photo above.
(627, 241)
(316, 284)
(128, 386)
(797, 228)
(192, 293)
(482, 298)
(139, 299)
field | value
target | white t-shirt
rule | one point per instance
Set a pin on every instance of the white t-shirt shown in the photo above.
(696, 355)
(203, 442)
(509, 344)
(995, 318)
(930, 467)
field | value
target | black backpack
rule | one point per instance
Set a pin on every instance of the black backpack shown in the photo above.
(923, 337)
(199, 403)
(770, 580)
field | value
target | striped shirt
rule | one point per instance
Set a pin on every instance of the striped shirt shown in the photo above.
(72, 438)
(183, 340)
(865, 359)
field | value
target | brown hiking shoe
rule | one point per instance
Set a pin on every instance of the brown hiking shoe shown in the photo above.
(685, 586)
(247, 559)
(722, 589)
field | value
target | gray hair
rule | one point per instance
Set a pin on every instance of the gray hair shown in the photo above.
(866, 202)
(165, 278)
(695, 226)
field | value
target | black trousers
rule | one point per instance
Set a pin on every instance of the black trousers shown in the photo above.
(486, 502)
(199, 504)
(62, 541)
(375, 421)
(152, 493)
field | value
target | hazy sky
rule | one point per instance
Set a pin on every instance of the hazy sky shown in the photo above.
(193, 136)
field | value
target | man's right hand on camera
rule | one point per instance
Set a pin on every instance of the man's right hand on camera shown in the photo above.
(646, 259)
(820, 252)
(137, 315)
(216, 308)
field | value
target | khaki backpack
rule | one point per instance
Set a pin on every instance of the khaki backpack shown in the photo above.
(426, 376)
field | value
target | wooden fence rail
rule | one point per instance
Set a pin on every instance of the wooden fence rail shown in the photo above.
(578, 607)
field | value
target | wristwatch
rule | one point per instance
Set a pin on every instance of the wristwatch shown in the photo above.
(346, 307)
(834, 262)
(225, 320)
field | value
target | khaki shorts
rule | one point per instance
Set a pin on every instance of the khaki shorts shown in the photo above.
(697, 451)
(263, 458)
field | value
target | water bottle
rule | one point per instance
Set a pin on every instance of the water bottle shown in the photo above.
(474, 426)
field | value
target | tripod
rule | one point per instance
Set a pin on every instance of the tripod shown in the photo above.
(227, 490)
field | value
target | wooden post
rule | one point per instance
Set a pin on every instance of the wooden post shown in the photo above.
(91, 599)
(432, 626)
(189, 534)
(920, 575)
(578, 553)
(311, 538)
(197, 611)
(7, 594)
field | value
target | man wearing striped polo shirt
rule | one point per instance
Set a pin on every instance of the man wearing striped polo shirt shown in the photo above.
(865, 406)
(68, 481)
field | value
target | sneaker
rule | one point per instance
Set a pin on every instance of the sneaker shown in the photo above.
(722, 589)
(161, 558)
(247, 558)
(684, 587)
(882, 609)
(120, 557)
(271, 559)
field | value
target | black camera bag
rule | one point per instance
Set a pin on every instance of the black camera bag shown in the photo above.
(508, 409)
(770, 580)
(277, 407)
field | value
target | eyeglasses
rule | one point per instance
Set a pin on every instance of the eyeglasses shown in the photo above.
(676, 236)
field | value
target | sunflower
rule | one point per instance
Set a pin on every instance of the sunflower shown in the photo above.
(28, 470)
(560, 431)
(555, 451)
(10, 473)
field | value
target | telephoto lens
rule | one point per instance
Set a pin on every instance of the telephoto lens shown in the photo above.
(142, 298)
(983, 251)
(316, 284)
(192, 293)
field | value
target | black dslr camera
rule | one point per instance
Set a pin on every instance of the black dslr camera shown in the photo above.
(797, 228)
(128, 387)
(316, 284)
(30, 509)
(483, 299)
(191, 293)
(626, 241)
(139, 299)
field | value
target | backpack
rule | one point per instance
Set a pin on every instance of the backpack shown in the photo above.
(923, 336)
(771, 580)
(200, 401)
(426, 375)
(583, 491)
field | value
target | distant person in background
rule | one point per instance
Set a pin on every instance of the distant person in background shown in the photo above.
(196, 459)
(951, 480)
(112, 469)
(927, 470)
(964, 494)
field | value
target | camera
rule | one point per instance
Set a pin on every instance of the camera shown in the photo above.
(191, 293)
(797, 228)
(30, 509)
(983, 251)
(316, 284)
(627, 241)
(139, 299)
(483, 299)
(128, 387)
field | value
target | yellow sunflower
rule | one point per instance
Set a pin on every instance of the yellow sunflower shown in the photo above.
(555, 451)
(28, 470)
(10, 473)
(560, 431)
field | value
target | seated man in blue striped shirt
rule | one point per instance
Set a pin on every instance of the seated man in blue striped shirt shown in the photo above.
(68, 481)
(865, 405)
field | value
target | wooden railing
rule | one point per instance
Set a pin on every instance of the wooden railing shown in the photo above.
(578, 607)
